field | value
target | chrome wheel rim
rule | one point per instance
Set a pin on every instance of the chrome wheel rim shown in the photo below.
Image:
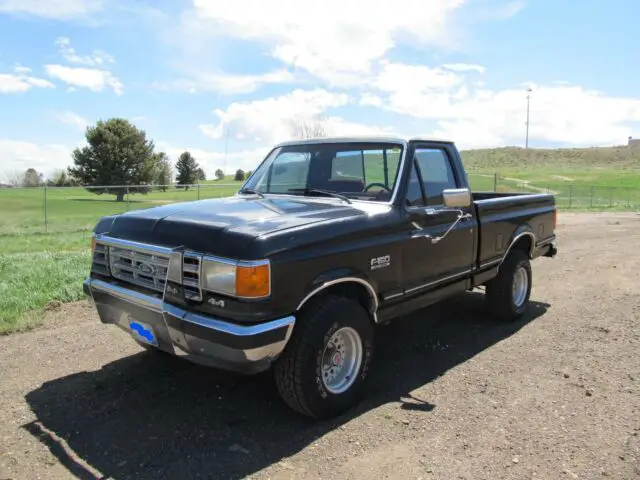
(520, 286)
(341, 360)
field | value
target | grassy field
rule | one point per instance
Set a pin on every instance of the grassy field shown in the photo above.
(44, 262)
(580, 178)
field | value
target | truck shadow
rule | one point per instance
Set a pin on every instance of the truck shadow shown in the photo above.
(151, 416)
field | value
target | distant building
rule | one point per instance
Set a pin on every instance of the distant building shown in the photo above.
(634, 142)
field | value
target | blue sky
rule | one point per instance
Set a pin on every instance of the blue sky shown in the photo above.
(200, 74)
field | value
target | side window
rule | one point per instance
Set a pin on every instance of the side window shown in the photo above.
(414, 189)
(436, 171)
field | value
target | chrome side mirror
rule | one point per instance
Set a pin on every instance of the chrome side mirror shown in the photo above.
(456, 197)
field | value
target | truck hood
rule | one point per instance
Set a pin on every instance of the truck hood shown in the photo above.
(227, 226)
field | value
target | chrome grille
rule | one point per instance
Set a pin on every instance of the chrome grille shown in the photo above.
(191, 277)
(100, 260)
(140, 268)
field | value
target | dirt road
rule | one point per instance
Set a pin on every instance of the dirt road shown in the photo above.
(455, 395)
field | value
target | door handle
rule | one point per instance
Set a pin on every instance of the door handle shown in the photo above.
(461, 217)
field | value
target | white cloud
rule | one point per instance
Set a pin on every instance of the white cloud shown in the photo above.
(19, 155)
(464, 67)
(337, 47)
(269, 120)
(54, 9)
(337, 126)
(96, 58)
(476, 116)
(398, 77)
(21, 81)
(71, 118)
(227, 84)
(368, 99)
(91, 78)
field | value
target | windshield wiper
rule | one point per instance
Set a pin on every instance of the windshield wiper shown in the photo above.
(252, 191)
(307, 191)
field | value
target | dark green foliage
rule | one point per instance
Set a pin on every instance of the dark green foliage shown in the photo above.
(187, 169)
(117, 154)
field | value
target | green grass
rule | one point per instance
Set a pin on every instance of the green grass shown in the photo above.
(22, 210)
(580, 178)
(30, 281)
(36, 269)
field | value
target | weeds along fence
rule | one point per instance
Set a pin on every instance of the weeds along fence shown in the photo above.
(76, 209)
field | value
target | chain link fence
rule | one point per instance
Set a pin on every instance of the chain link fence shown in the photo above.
(568, 195)
(74, 209)
(77, 209)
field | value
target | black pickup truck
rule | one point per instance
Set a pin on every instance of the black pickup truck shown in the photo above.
(326, 240)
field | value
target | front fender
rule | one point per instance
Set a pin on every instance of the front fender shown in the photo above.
(338, 276)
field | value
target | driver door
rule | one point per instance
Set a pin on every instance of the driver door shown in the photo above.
(428, 264)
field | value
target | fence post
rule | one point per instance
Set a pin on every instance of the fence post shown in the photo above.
(610, 197)
(198, 190)
(495, 181)
(128, 206)
(591, 200)
(46, 217)
(570, 195)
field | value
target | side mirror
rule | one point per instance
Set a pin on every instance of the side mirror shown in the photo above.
(456, 197)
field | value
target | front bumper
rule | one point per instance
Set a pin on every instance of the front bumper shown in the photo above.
(201, 339)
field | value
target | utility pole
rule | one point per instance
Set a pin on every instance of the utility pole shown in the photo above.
(526, 140)
(226, 141)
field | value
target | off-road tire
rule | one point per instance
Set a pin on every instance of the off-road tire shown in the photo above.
(298, 371)
(499, 290)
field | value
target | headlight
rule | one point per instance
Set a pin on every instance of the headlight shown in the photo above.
(237, 279)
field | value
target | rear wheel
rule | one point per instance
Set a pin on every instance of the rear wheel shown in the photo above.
(508, 293)
(323, 370)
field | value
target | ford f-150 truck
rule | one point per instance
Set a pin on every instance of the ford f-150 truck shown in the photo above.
(327, 239)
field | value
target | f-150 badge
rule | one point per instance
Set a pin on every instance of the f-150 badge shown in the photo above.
(380, 262)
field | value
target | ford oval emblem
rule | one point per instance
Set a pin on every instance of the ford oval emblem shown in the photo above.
(146, 269)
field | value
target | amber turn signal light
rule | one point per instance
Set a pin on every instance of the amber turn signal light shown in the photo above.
(253, 281)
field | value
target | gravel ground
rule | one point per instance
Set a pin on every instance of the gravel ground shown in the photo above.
(454, 395)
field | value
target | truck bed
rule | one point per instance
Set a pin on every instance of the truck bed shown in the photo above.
(504, 216)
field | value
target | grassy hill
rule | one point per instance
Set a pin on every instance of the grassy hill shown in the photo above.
(559, 158)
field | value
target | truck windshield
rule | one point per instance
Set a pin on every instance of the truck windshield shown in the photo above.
(364, 171)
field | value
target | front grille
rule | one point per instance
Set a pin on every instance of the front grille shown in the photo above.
(191, 277)
(140, 268)
(100, 260)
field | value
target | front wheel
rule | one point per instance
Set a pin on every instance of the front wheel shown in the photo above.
(323, 370)
(508, 293)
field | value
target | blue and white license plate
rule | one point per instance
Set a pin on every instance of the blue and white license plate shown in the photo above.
(143, 332)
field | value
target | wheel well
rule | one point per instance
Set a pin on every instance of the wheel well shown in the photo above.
(349, 289)
(524, 243)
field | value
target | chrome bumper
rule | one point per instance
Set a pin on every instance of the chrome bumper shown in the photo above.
(198, 338)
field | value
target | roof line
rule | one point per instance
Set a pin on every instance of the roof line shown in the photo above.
(361, 139)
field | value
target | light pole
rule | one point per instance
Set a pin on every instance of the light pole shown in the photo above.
(526, 140)
(226, 141)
